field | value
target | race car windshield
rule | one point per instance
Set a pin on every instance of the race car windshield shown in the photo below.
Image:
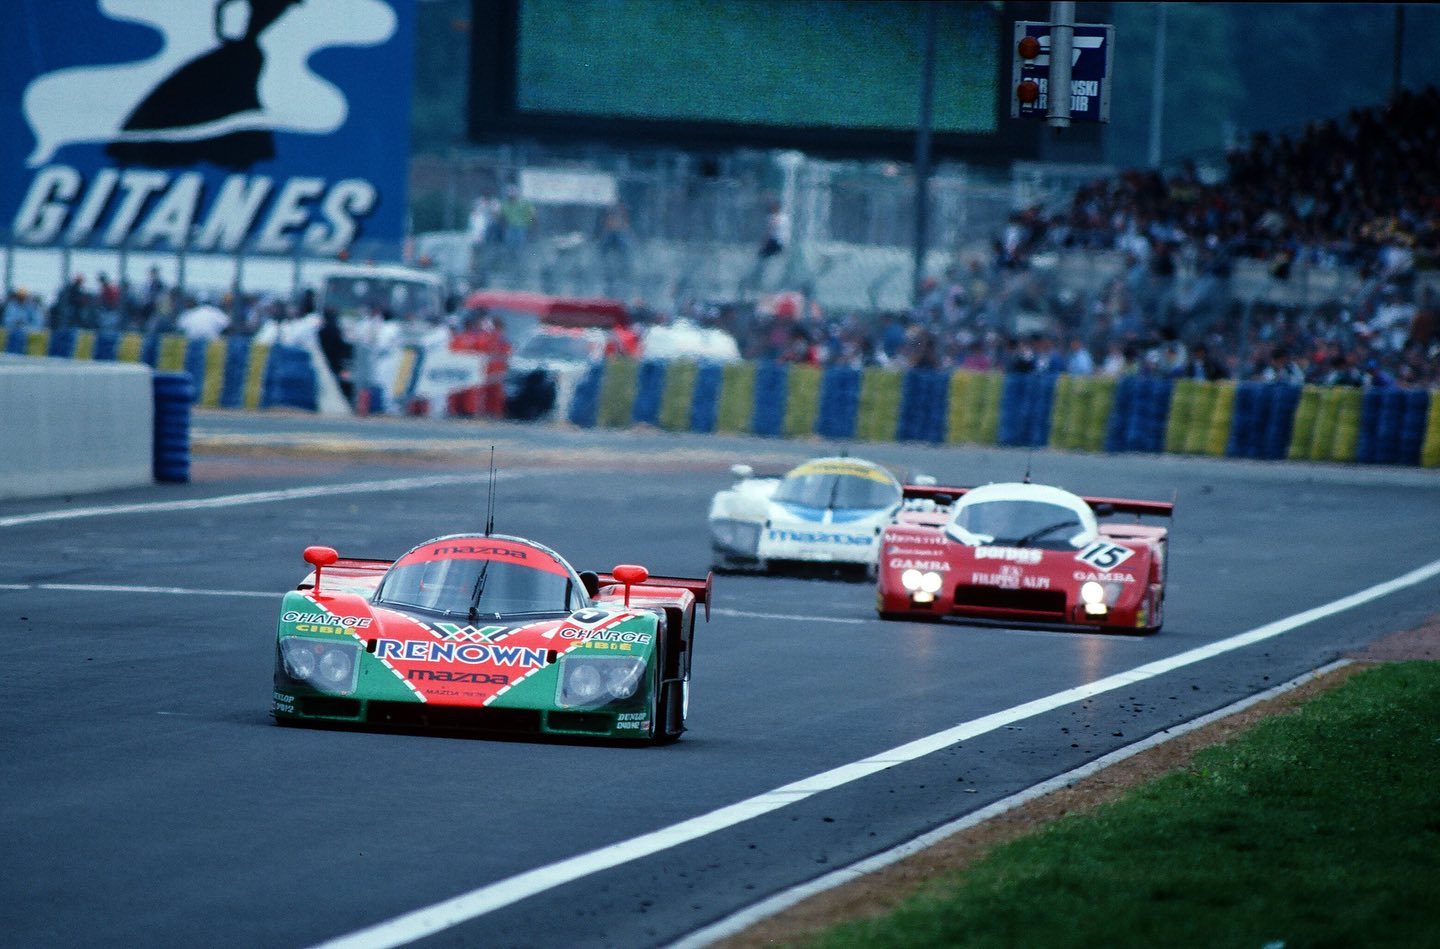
(450, 586)
(1017, 524)
(837, 491)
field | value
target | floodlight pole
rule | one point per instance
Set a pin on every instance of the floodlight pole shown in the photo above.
(1062, 45)
(922, 152)
(1157, 88)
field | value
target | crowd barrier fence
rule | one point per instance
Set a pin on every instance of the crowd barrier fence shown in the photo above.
(1136, 413)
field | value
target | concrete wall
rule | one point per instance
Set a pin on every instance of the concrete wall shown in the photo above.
(68, 426)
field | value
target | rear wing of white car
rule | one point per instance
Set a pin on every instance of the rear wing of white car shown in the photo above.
(1103, 507)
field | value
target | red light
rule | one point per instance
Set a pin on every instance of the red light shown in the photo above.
(1029, 48)
(1028, 92)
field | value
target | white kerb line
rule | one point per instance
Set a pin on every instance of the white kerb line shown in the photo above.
(446, 914)
(253, 497)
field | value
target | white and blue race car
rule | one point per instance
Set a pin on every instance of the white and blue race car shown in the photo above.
(827, 511)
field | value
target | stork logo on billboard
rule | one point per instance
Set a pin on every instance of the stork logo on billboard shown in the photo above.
(233, 128)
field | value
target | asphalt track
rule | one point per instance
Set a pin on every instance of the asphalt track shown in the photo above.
(149, 800)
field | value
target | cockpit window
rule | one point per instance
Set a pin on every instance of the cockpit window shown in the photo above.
(492, 587)
(828, 489)
(1012, 523)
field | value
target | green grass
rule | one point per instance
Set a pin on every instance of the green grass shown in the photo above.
(1315, 828)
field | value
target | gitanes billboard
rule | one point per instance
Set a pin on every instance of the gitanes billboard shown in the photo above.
(277, 125)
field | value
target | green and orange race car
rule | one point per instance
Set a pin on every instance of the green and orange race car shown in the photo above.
(493, 634)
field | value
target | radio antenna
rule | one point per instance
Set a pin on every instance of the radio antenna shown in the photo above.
(1028, 458)
(490, 506)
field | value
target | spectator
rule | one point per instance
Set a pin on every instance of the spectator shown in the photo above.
(23, 312)
(777, 231)
(517, 217)
(203, 320)
(108, 304)
(1201, 365)
(1079, 362)
(614, 241)
(338, 351)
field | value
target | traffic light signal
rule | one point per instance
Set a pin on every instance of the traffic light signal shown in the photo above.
(1027, 90)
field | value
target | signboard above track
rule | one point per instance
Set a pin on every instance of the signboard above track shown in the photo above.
(1090, 62)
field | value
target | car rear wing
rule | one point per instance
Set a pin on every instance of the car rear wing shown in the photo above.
(349, 575)
(1103, 507)
(939, 493)
(1107, 506)
(702, 590)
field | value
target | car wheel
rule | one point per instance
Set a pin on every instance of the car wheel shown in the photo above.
(670, 706)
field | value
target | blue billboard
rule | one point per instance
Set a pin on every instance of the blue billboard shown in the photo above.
(279, 126)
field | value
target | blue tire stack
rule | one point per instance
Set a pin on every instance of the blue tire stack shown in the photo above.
(174, 394)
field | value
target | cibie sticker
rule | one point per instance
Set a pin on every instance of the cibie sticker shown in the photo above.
(1105, 555)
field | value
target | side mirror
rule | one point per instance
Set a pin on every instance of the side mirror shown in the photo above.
(590, 580)
(924, 481)
(742, 471)
(1102, 509)
(630, 574)
(319, 557)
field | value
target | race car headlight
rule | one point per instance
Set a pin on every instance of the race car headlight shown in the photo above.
(1092, 592)
(300, 660)
(334, 669)
(328, 666)
(930, 582)
(910, 579)
(739, 536)
(589, 681)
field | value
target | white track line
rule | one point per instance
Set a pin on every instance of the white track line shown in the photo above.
(118, 588)
(254, 497)
(438, 917)
(763, 910)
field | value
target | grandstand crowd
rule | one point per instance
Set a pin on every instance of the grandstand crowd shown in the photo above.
(1360, 193)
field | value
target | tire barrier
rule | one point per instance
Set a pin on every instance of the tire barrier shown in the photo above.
(62, 343)
(174, 394)
(1430, 450)
(617, 393)
(585, 403)
(975, 407)
(768, 414)
(802, 400)
(107, 346)
(1263, 418)
(879, 405)
(1139, 415)
(1085, 413)
(705, 398)
(1392, 426)
(737, 396)
(839, 402)
(676, 394)
(289, 379)
(924, 406)
(649, 392)
(1025, 403)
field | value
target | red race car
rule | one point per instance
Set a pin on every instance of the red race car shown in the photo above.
(1024, 553)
